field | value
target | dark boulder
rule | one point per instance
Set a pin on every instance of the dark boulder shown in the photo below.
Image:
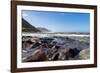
(72, 53)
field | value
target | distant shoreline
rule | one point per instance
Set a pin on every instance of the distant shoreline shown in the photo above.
(85, 33)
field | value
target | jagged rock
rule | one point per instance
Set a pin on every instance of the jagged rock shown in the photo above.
(84, 54)
(27, 44)
(38, 55)
(55, 57)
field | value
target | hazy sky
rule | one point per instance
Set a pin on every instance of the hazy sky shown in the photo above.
(58, 21)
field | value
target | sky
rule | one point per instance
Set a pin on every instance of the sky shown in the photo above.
(58, 21)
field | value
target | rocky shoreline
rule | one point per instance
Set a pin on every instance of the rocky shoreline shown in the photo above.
(35, 49)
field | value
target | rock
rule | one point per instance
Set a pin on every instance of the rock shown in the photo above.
(71, 53)
(38, 55)
(36, 44)
(83, 55)
(27, 44)
(55, 57)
